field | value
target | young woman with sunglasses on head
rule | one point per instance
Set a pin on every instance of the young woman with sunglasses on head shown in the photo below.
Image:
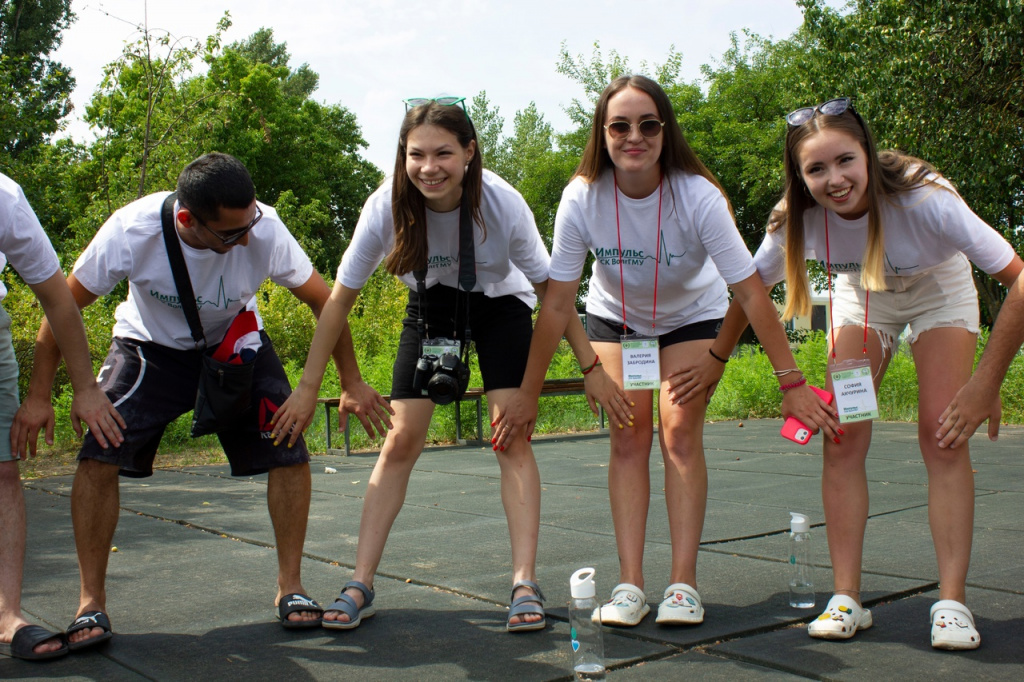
(663, 236)
(412, 224)
(898, 238)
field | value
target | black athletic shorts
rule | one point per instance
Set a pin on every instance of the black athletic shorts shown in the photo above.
(152, 385)
(606, 331)
(500, 328)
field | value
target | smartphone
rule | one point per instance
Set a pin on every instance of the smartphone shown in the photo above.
(795, 430)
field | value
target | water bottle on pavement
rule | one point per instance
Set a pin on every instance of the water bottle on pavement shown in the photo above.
(801, 583)
(587, 645)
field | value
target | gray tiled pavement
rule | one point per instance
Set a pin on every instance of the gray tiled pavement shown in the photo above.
(191, 585)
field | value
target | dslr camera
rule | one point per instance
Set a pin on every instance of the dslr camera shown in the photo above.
(444, 377)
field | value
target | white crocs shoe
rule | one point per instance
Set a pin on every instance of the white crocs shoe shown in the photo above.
(841, 619)
(626, 608)
(681, 606)
(953, 626)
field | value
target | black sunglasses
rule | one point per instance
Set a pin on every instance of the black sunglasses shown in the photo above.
(231, 237)
(833, 107)
(649, 127)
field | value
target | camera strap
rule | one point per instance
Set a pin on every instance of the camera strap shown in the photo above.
(467, 275)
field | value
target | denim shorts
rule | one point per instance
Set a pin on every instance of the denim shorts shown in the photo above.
(942, 296)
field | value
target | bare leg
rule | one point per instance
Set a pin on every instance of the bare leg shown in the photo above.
(944, 358)
(12, 557)
(385, 493)
(520, 496)
(681, 434)
(844, 483)
(629, 473)
(95, 501)
(288, 493)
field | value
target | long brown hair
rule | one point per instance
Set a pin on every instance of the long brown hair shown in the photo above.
(408, 205)
(889, 172)
(676, 154)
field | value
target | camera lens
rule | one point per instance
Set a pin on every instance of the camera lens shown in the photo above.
(424, 370)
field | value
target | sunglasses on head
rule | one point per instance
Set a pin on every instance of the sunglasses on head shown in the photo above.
(649, 127)
(445, 101)
(833, 107)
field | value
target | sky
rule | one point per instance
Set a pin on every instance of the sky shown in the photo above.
(372, 54)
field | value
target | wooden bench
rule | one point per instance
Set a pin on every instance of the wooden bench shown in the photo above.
(551, 387)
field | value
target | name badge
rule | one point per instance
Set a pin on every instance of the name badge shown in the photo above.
(854, 390)
(441, 347)
(641, 362)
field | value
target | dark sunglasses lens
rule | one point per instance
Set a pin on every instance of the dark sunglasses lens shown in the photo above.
(650, 127)
(618, 128)
(800, 116)
(835, 107)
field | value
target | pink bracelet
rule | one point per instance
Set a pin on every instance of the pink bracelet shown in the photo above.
(795, 384)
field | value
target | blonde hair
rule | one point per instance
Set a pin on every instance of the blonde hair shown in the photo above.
(889, 172)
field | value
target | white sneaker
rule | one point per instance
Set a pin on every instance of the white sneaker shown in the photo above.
(681, 606)
(953, 626)
(626, 608)
(841, 619)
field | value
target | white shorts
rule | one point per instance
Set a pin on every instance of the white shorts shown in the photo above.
(942, 296)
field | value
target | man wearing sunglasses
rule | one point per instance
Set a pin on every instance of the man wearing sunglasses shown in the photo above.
(231, 244)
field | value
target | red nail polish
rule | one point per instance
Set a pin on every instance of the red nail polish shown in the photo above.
(842, 433)
(493, 440)
(836, 440)
(503, 448)
(529, 438)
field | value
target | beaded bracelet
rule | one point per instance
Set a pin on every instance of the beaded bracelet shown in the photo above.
(721, 360)
(596, 363)
(795, 384)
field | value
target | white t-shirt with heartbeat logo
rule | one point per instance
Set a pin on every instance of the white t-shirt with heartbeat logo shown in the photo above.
(700, 250)
(130, 245)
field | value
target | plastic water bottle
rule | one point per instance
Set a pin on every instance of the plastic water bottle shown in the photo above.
(801, 583)
(587, 645)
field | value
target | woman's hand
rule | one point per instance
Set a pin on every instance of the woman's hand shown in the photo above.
(602, 390)
(519, 413)
(697, 381)
(368, 406)
(294, 415)
(804, 404)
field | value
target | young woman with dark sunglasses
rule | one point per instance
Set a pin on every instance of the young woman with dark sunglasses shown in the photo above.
(412, 223)
(666, 247)
(900, 241)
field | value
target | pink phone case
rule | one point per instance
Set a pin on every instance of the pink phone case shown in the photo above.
(795, 430)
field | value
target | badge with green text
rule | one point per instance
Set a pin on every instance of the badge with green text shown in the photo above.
(641, 362)
(854, 390)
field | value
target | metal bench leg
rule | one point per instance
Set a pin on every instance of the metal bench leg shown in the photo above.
(327, 424)
(348, 437)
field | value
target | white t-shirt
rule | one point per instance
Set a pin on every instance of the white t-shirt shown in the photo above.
(922, 228)
(22, 239)
(699, 246)
(511, 257)
(131, 245)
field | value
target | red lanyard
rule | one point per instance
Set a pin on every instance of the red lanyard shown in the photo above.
(867, 295)
(657, 260)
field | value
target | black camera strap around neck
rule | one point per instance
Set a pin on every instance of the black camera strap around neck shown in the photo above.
(467, 273)
(182, 282)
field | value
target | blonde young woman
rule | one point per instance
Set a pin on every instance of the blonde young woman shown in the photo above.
(900, 242)
(663, 236)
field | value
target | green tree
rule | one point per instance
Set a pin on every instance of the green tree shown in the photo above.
(34, 90)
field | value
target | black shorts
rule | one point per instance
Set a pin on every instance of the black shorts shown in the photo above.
(152, 385)
(501, 329)
(606, 331)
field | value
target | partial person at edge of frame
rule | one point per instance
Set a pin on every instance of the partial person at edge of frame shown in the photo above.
(231, 244)
(412, 224)
(899, 245)
(666, 248)
(24, 243)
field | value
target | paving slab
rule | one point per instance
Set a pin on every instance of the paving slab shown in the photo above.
(191, 585)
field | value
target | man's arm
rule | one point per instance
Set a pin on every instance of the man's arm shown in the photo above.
(62, 332)
(978, 399)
